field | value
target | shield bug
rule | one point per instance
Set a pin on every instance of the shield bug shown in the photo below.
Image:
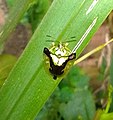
(58, 57)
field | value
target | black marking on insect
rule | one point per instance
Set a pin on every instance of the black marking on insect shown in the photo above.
(58, 55)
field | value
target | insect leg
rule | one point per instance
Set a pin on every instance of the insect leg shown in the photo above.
(47, 52)
(54, 77)
(72, 56)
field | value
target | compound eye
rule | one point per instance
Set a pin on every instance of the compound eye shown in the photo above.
(72, 56)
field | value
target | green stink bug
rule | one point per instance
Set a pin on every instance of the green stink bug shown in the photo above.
(58, 56)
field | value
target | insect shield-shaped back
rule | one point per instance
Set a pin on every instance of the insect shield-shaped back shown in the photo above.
(58, 59)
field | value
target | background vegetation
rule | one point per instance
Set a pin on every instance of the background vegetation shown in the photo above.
(28, 86)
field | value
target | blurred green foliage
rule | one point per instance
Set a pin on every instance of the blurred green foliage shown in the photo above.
(102, 69)
(111, 78)
(6, 64)
(72, 100)
(35, 13)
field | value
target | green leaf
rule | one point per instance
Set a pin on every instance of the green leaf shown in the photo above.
(102, 115)
(14, 17)
(28, 85)
(111, 80)
(6, 64)
(77, 78)
(108, 116)
(64, 93)
(10, 3)
(80, 106)
(37, 12)
(111, 71)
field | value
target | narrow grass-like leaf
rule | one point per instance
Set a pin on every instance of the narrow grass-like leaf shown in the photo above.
(6, 64)
(29, 86)
(111, 78)
(93, 51)
(16, 13)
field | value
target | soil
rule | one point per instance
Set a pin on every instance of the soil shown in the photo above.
(18, 40)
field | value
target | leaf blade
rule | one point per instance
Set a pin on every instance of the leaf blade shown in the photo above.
(29, 86)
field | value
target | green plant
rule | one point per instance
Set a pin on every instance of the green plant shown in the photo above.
(71, 100)
(29, 86)
(35, 13)
(6, 64)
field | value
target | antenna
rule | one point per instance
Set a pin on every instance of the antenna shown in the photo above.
(71, 39)
(49, 36)
(50, 41)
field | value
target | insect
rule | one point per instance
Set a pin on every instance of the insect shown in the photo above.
(58, 56)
